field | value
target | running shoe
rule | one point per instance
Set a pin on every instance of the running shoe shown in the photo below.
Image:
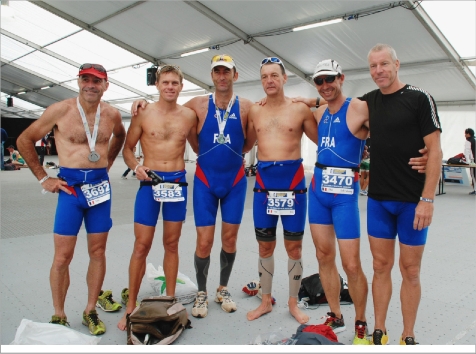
(251, 288)
(223, 297)
(123, 177)
(125, 297)
(200, 307)
(408, 341)
(59, 320)
(92, 321)
(363, 192)
(361, 333)
(337, 324)
(379, 338)
(473, 192)
(106, 302)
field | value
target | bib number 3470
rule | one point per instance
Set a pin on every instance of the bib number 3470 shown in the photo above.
(337, 180)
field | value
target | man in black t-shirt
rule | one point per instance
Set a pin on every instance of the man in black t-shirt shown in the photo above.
(403, 119)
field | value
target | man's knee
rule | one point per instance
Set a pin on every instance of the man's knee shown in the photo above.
(171, 245)
(382, 265)
(352, 269)
(410, 273)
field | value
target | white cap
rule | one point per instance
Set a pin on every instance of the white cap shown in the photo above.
(223, 60)
(327, 67)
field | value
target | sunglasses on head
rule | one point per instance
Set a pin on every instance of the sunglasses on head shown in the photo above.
(222, 57)
(274, 60)
(98, 67)
(328, 79)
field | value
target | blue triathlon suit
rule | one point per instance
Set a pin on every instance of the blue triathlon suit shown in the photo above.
(146, 209)
(338, 147)
(276, 176)
(220, 176)
(72, 209)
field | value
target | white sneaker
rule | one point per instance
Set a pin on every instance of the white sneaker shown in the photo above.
(363, 192)
(123, 177)
(200, 307)
(224, 297)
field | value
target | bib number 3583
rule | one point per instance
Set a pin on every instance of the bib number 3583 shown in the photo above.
(337, 180)
(96, 193)
(168, 192)
(280, 203)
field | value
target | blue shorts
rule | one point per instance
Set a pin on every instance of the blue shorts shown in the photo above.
(340, 210)
(279, 175)
(386, 219)
(72, 209)
(229, 190)
(146, 209)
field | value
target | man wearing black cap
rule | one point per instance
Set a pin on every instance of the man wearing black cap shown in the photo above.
(83, 127)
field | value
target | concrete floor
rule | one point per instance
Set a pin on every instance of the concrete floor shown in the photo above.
(447, 313)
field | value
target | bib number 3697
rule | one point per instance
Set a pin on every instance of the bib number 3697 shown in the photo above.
(280, 203)
(337, 180)
(168, 192)
(96, 193)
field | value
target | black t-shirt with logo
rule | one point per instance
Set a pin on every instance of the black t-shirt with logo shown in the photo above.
(398, 124)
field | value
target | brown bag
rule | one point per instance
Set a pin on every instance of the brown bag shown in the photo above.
(157, 320)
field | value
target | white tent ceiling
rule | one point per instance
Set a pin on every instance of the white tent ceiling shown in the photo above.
(45, 43)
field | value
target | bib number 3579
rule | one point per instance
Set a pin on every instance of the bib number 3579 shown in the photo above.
(280, 203)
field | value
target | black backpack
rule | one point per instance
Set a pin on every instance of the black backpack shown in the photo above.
(312, 292)
(157, 320)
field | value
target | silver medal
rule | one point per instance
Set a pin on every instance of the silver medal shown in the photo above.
(221, 139)
(94, 156)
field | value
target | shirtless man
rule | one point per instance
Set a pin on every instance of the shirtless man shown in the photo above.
(163, 129)
(85, 162)
(219, 178)
(280, 183)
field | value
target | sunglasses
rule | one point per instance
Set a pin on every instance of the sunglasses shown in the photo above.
(274, 60)
(328, 79)
(97, 67)
(222, 57)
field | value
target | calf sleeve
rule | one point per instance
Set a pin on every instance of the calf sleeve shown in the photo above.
(226, 265)
(201, 270)
(295, 275)
(266, 272)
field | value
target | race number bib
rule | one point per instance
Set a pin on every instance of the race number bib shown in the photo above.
(168, 192)
(337, 180)
(280, 203)
(96, 193)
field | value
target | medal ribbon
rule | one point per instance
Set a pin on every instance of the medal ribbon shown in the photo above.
(222, 122)
(91, 140)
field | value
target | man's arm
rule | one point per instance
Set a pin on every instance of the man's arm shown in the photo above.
(26, 145)
(133, 135)
(250, 131)
(424, 210)
(117, 140)
(310, 125)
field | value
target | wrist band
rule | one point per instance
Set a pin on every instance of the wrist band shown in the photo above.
(135, 169)
(318, 100)
(426, 200)
(43, 179)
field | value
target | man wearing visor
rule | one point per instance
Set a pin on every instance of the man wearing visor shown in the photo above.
(83, 127)
(219, 177)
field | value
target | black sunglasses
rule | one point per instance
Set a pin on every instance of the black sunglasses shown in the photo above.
(94, 66)
(328, 79)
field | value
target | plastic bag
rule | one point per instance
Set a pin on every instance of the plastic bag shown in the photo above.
(185, 289)
(273, 338)
(37, 333)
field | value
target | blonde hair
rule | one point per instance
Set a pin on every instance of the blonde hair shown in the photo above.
(169, 69)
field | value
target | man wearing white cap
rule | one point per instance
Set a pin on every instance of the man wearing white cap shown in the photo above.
(82, 127)
(219, 177)
(343, 127)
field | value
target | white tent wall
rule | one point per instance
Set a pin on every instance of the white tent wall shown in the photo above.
(454, 120)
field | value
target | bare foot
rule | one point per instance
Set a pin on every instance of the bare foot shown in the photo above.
(262, 309)
(122, 324)
(300, 316)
